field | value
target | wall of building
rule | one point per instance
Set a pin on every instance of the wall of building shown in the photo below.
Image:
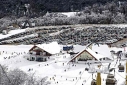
(84, 56)
(38, 51)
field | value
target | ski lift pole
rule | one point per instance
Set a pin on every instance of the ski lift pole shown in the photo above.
(98, 78)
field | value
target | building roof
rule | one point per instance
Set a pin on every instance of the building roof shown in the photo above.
(102, 49)
(91, 52)
(97, 55)
(96, 52)
(78, 48)
(52, 48)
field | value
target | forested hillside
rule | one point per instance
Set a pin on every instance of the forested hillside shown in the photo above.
(12, 7)
(91, 11)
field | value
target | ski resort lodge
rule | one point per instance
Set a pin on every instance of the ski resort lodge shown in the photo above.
(93, 52)
(43, 52)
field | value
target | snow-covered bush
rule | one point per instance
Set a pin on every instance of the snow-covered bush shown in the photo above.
(18, 77)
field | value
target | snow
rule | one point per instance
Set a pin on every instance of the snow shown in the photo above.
(12, 32)
(28, 36)
(54, 71)
(120, 25)
(102, 49)
(96, 55)
(78, 48)
(69, 14)
(56, 33)
(52, 48)
(117, 49)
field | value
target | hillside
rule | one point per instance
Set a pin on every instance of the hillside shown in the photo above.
(13, 7)
(69, 34)
(50, 5)
(48, 12)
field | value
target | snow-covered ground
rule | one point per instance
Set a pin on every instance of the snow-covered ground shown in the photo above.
(12, 32)
(69, 14)
(28, 36)
(56, 68)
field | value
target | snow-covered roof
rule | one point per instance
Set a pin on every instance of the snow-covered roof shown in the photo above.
(93, 53)
(52, 48)
(78, 48)
(102, 49)
(96, 55)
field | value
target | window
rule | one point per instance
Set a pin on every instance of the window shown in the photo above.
(37, 53)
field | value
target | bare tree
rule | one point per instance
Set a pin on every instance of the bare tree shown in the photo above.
(18, 77)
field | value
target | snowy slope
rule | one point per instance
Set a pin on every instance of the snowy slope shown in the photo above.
(12, 32)
(56, 72)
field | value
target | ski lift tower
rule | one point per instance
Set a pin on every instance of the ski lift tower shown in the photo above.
(124, 58)
(98, 76)
(98, 71)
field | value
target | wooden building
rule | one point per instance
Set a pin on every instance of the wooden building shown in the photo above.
(92, 53)
(43, 52)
